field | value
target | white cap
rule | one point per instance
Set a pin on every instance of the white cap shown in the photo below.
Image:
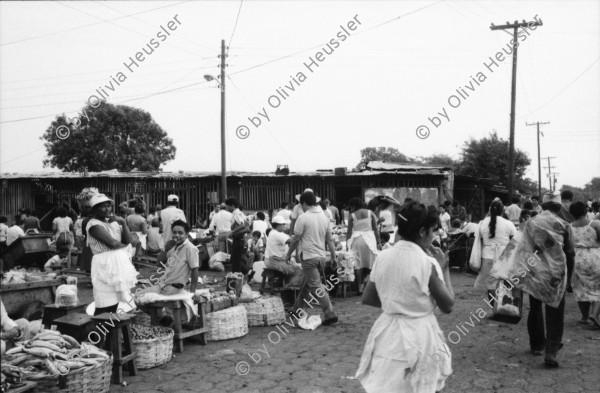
(279, 220)
(173, 198)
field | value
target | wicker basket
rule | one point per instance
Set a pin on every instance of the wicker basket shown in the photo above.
(141, 318)
(91, 379)
(226, 324)
(265, 311)
(154, 352)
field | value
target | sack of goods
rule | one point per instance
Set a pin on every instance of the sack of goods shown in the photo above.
(265, 311)
(216, 261)
(347, 260)
(66, 296)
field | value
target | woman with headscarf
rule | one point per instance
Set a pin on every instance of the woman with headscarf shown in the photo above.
(406, 349)
(492, 237)
(363, 238)
(113, 274)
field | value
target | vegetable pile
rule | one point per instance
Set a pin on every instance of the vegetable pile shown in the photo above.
(48, 353)
(142, 332)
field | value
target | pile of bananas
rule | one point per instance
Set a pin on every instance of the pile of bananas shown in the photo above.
(49, 353)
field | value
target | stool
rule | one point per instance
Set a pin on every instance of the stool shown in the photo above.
(119, 329)
(77, 326)
(178, 308)
(345, 286)
(51, 312)
(274, 279)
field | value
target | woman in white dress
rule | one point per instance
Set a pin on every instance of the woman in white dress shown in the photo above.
(406, 349)
(113, 274)
(363, 239)
(493, 236)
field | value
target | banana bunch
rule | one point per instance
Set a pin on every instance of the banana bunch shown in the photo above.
(49, 353)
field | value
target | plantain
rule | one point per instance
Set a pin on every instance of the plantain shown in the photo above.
(70, 340)
(39, 351)
(14, 350)
(46, 344)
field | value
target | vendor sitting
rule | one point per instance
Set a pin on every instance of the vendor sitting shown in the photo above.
(276, 251)
(12, 330)
(58, 261)
(181, 262)
(255, 247)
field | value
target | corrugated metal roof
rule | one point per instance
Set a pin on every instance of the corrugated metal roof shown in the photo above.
(426, 171)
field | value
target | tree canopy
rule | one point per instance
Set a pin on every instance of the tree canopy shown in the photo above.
(107, 137)
(483, 158)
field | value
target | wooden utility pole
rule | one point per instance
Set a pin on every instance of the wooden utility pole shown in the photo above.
(511, 152)
(539, 158)
(223, 161)
(550, 167)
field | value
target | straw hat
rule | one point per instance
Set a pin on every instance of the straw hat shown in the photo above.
(99, 198)
(307, 190)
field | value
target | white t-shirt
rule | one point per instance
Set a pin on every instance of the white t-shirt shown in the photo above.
(445, 220)
(285, 213)
(261, 226)
(504, 229)
(276, 246)
(13, 234)
(3, 232)
(259, 244)
(63, 224)
(313, 227)
(168, 216)
(222, 221)
(297, 212)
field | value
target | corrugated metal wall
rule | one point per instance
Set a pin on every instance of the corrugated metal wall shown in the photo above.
(253, 192)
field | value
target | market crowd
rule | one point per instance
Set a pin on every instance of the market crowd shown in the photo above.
(399, 253)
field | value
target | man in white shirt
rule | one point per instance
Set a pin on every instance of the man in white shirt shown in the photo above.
(259, 224)
(3, 232)
(514, 211)
(285, 211)
(221, 223)
(14, 232)
(212, 213)
(313, 231)
(169, 215)
(297, 211)
(335, 213)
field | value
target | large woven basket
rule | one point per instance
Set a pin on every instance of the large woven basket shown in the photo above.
(91, 379)
(141, 318)
(265, 311)
(226, 324)
(154, 352)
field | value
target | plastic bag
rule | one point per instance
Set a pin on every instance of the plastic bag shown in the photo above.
(66, 296)
(348, 261)
(475, 259)
(310, 323)
(536, 263)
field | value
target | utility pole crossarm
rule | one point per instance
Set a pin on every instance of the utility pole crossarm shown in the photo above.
(516, 24)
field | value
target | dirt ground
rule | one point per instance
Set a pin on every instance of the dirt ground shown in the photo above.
(490, 357)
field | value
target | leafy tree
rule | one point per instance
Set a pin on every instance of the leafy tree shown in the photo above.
(107, 137)
(593, 188)
(488, 158)
(386, 154)
(439, 160)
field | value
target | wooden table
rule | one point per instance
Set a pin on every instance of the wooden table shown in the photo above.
(17, 296)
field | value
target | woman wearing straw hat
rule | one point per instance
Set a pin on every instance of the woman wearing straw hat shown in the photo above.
(113, 274)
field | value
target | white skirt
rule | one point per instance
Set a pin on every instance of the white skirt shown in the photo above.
(405, 355)
(113, 276)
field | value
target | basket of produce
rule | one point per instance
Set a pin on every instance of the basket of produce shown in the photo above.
(58, 363)
(265, 311)
(153, 344)
(141, 318)
(221, 301)
(226, 324)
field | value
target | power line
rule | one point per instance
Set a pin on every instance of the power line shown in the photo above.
(236, 22)
(566, 87)
(122, 27)
(89, 24)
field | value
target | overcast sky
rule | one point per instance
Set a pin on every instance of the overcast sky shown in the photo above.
(379, 84)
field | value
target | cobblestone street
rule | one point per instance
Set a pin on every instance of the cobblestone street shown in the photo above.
(491, 357)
